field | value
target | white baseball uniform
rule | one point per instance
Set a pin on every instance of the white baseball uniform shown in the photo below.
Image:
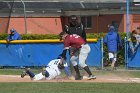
(52, 69)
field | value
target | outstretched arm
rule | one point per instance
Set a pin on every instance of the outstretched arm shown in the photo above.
(64, 53)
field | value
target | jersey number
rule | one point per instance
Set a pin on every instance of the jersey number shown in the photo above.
(75, 36)
(56, 62)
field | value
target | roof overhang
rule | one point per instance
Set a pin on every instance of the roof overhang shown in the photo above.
(34, 8)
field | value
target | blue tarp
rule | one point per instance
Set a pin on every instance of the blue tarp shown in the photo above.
(39, 54)
(134, 58)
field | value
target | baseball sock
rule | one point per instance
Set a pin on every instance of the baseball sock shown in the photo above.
(31, 74)
(77, 70)
(86, 68)
(46, 74)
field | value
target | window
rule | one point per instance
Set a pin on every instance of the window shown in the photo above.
(87, 21)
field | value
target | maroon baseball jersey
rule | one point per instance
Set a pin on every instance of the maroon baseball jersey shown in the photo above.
(73, 41)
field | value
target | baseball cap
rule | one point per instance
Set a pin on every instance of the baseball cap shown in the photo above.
(12, 30)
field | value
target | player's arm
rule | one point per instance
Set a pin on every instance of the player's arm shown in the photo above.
(66, 29)
(9, 38)
(64, 52)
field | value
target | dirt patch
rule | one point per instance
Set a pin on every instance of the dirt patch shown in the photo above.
(100, 79)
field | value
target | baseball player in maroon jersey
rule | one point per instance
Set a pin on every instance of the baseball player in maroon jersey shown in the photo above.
(77, 42)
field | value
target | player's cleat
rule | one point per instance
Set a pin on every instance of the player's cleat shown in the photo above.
(27, 69)
(91, 77)
(23, 74)
(78, 78)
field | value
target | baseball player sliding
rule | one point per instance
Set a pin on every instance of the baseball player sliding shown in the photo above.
(51, 71)
(81, 52)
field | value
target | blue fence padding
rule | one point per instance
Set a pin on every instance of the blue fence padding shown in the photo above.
(95, 55)
(134, 58)
(39, 54)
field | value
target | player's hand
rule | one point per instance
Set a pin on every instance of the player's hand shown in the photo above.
(7, 40)
(72, 51)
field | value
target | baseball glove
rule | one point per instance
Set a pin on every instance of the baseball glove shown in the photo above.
(73, 50)
(61, 66)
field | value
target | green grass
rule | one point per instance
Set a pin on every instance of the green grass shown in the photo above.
(62, 87)
(15, 71)
(133, 74)
(70, 87)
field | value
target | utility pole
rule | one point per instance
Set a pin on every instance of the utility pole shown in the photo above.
(25, 25)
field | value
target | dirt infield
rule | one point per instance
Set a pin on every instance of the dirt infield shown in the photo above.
(101, 79)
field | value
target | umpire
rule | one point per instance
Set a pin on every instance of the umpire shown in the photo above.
(74, 27)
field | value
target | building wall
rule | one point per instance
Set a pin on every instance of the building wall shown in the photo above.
(101, 22)
(54, 25)
(4, 23)
(37, 25)
(134, 22)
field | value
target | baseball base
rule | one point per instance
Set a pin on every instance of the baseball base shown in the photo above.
(73, 78)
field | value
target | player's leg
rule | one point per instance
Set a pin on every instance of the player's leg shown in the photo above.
(45, 72)
(73, 59)
(84, 51)
(77, 76)
(39, 76)
(27, 71)
(114, 61)
(113, 65)
(112, 58)
(72, 72)
(85, 67)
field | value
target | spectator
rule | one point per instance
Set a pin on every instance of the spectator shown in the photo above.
(134, 41)
(111, 40)
(77, 43)
(74, 27)
(13, 35)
